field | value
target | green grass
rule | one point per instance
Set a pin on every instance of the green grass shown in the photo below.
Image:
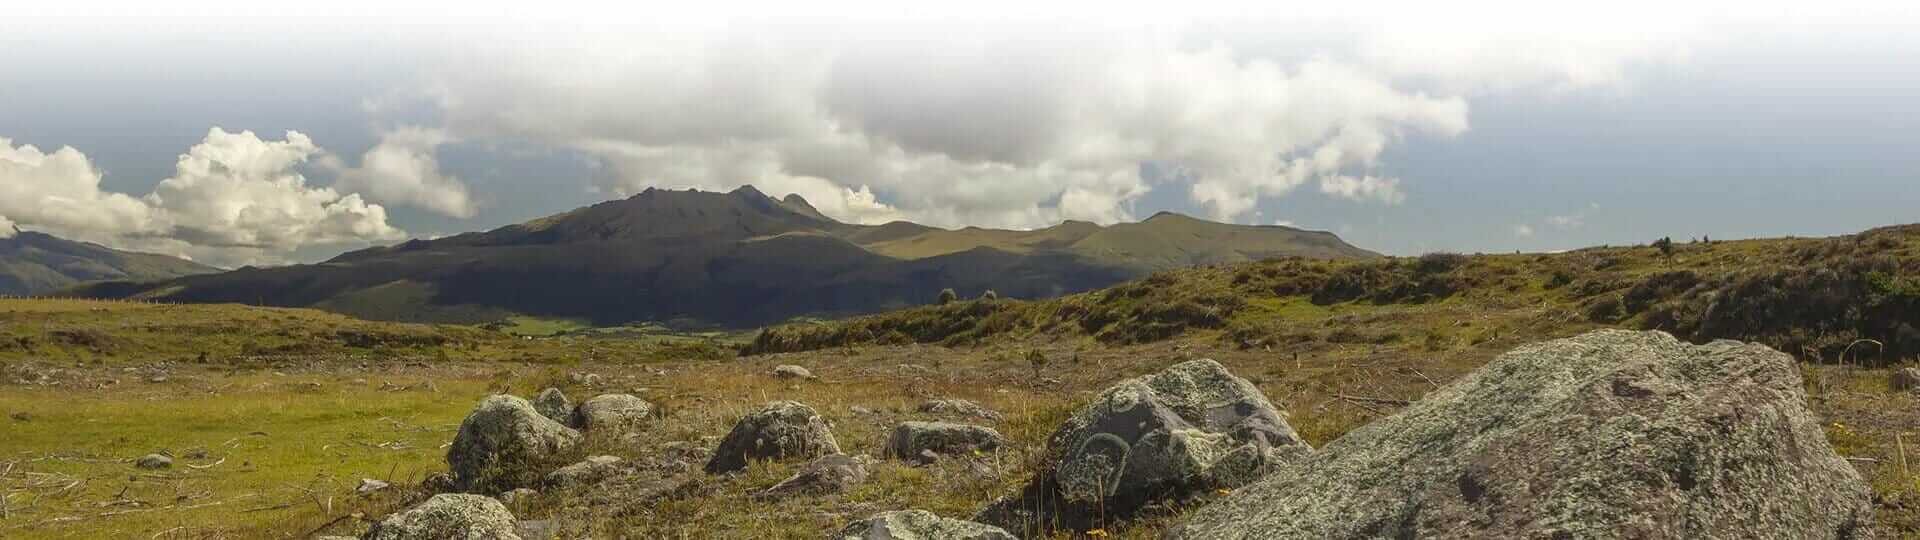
(534, 326)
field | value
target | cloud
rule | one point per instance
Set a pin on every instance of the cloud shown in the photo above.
(6, 228)
(402, 170)
(1523, 230)
(233, 199)
(980, 127)
(1364, 188)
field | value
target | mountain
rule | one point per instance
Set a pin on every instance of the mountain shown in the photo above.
(731, 259)
(35, 263)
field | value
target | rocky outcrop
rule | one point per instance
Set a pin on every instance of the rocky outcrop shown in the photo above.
(1612, 434)
(834, 473)
(924, 442)
(589, 471)
(918, 525)
(553, 404)
(503, 444)
(612, 412)
(448, 516)
(959, 408)
(1191, 428)
(776, 431)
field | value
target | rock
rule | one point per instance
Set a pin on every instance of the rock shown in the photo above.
(1906, 379)
(554, 405)
(22, 416)
(855, 409)
(1611, 434)
(919, 525)
(833, 473)
(446, 516)
(777, 430)
(919, 441)
(503, 443)
(517, 495)
(369, 485)
(537, 529)
(960, 408)
(612, 412)
(438, 483)
(590, 471)
(584, 379)
(792, 372)
(154, 461)
(1189, 429)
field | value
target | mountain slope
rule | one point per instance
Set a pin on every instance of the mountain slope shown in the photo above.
(35, 263)
(733, 259)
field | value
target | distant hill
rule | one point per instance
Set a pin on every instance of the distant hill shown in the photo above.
(35, 263)
(731, 259)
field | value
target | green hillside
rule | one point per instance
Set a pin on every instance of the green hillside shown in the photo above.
(737, 259)
(35, 263)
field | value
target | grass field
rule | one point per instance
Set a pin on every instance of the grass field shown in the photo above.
(274, 427)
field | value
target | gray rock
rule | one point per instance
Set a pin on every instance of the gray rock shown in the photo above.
(369, 485)
(449, 516)
(154, 461)
(920, 442)
(959, 408)
(918, 525)
(834, 473)
(438, 483)
(612, 412)
(1905, 379)
(590, 471)
(776, 431)
(1189, 429)
(538, 529)
(1612, 434)
(792, 372)
(503, 444)
(554, 405)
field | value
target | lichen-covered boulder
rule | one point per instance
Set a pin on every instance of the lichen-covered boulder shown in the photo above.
(776, 431)
(959, 408)
(923, 442)
(918, 525)
(612, 412)
(553, 404)
(589, 471)
(827, 474)
(1612, 434)
(1191, 428)
(503, 444)
(448, 516)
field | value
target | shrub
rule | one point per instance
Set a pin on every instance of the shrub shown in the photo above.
(989, 295)
(947, 296)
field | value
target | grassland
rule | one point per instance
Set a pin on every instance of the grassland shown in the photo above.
(1335, 344)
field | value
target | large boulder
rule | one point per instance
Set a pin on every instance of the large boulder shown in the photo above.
(448, 516)
(828, 474)
(1189, 429)
(1612, 434)
(503, 444)
(918, 525)
(553, 404)
(923, 442)
(775, 431)
(612, 412)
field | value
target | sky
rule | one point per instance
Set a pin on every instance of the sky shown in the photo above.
(233, 136)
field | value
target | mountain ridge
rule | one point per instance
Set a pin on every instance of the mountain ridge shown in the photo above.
(739, 258)
(33, 263)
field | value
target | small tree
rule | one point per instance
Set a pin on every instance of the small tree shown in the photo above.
(989, 295)
(947, 296)
(1038, 360)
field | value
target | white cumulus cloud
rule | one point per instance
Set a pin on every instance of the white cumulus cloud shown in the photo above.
(1523, 230)
(233, 199)
(402, 170)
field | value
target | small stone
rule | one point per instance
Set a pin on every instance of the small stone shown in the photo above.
(591, 471)
(449, 515)
(960, 408)
(918, 525)
(790, 371)
(856, 409)
(612, 412)
(369, 485)
(154, 461)
(834, 473)
(516, 495)
(156, 379)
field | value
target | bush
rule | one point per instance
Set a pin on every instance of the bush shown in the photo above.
(989, 295)
(947, 296)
